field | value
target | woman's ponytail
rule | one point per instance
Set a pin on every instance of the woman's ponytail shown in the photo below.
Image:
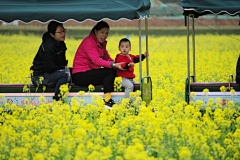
(45, 36)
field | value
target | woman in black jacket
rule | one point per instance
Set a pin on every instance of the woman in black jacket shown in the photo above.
(50, 61)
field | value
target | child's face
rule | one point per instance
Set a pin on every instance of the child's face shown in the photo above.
(124, 48)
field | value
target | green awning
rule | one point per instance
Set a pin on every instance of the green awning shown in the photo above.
(79, 10)
(218, 7)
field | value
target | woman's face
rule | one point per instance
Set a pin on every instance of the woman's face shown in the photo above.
(102, 34)
(59, 34)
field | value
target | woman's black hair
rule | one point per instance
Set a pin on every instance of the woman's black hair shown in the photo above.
(99, 26)
(52, 27)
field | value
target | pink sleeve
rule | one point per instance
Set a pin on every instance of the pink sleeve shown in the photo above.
(91, 50)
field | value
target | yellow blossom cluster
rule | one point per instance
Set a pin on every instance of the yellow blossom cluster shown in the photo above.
(167, 128)
(167, 60)
(57, 131)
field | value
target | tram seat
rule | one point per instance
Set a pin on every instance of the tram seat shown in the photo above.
(214, 90)
(212, 86)
(18, 88)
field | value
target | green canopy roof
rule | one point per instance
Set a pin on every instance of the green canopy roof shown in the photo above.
(203, 7)
(79, 10)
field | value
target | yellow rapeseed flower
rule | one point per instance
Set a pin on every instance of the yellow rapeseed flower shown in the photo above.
(223, 89)
(42, 98)
(184, 154)
(25, 88)
(232, 92)
(91, 88)
(218, 100)
(2, 96)
(64, 89)
(39, 156)
(41, 79)
(27, 100)
(81, 93)
(193, 95)
(206, 90)
(138, 93)
(132, 94)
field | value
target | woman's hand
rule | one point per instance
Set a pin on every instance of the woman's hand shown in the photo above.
(66, 68)
(118, 65)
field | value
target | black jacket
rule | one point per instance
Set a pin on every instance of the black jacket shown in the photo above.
(50, 57)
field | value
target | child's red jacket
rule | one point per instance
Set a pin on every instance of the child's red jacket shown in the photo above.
(129, 73)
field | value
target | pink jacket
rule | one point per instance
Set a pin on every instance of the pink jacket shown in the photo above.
(91, 55)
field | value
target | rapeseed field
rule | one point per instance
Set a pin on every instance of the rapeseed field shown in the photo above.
(168, 128)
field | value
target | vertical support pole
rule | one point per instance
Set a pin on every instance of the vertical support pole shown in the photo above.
(146, 33)
(140, 56)
(188, 61)
(193, 43)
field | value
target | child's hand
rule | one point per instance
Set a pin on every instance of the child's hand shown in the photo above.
(130, 64)
(146, 54)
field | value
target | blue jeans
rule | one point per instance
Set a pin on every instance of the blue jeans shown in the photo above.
(55, 79)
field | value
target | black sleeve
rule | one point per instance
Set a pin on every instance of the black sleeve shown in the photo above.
(136, 60)
(126, 66)
(66, 62)
(238, 71)
(65, 48)
(49, 61)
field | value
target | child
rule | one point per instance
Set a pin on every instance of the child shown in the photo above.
(129, 60)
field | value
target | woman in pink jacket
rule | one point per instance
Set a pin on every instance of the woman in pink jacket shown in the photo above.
(91, 56)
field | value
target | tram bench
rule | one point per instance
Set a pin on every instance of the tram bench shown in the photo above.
(214, 91)
(14, 93)
(212, 86)
(18, 88)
